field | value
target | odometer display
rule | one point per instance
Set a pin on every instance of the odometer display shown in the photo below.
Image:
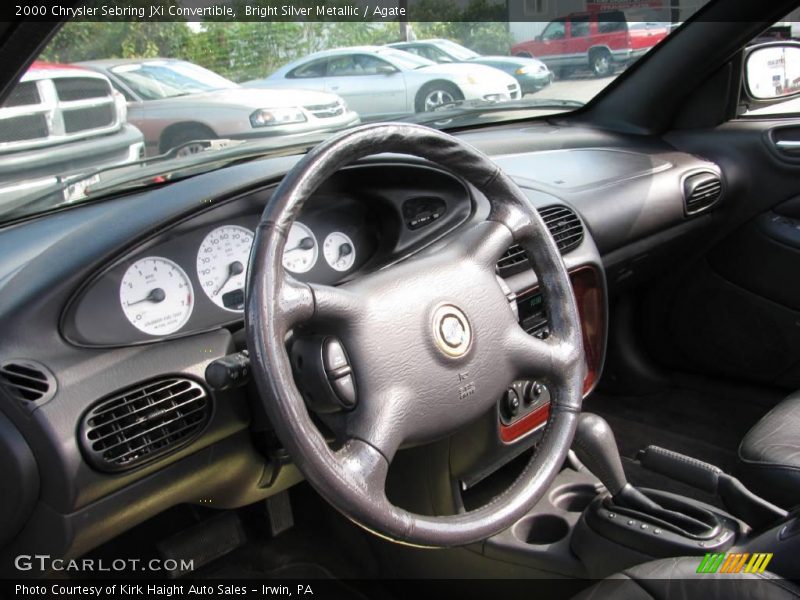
(156, 296)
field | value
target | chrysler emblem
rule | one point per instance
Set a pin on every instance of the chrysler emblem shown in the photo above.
(451, 330)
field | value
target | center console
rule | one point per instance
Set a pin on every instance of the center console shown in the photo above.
(524, 407)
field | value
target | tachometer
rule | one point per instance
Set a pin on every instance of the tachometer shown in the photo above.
(222, 265)
(156, 296)
(301, 251)
(339, 251)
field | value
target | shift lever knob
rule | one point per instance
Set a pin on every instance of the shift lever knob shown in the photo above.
(596, 448)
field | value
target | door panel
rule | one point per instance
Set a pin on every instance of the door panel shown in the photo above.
(734, 310)
(371, 93)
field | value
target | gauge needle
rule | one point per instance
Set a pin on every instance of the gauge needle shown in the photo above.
(344, 250)
(156, 295)
(233, 270)
(307, 243)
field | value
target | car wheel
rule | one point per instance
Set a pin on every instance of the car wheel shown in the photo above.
(601, 64)
(187, 140)
(438, 94)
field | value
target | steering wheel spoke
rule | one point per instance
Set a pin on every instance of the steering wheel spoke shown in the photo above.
(300, 302)
(365, 466)
(533, 357)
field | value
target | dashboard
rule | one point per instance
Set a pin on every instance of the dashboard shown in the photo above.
(111, 298)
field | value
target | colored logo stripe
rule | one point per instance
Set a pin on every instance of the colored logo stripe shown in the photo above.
(735, 562)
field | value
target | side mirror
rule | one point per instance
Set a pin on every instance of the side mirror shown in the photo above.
(772, 72)
(386, 70)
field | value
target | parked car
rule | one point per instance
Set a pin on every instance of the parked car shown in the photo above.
(175, 102)
(531, 73)
(60, 122)
(600, 41)
(381, 82)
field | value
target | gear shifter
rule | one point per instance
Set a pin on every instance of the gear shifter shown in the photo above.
(596, 448)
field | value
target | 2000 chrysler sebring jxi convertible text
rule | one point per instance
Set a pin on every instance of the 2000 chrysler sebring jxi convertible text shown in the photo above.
(552, 337)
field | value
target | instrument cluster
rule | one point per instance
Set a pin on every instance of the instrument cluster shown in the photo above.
(191, 276)
(157, 296)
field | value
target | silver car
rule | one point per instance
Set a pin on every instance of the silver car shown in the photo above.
(381, 83)
(175, 102)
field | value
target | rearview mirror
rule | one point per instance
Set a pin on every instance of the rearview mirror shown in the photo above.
(772, 72)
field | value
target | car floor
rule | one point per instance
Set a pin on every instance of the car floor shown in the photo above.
(702, 418)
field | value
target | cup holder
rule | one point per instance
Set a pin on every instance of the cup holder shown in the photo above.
(542, 529)
(573, 498)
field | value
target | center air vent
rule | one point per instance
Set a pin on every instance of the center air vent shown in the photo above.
(27, 381)
(564, 226)
(701, 191)
(144, 422)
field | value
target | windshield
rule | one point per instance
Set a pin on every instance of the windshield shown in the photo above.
(457, 51)
(154, 80)
(115, 104)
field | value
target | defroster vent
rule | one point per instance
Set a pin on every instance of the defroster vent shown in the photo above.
(565, 227)
(144, 422)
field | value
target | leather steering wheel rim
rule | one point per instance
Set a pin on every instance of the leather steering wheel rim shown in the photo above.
(419, 394)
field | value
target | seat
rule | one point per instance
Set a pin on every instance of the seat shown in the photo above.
(769, 455)
(670, 578)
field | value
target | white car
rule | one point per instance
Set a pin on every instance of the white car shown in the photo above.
(176, 104)
(380, 83)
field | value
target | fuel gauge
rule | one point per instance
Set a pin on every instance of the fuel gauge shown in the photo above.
(339, 251)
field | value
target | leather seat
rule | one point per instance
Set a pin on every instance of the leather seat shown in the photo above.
(769, 455)
(678, 578)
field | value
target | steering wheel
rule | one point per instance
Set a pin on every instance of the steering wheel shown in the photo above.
(432, 341)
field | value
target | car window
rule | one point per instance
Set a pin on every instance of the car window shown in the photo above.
(579, 27)
(157, 80)
(315, 68)
(612, 22)
(354, 65)
(555, 31)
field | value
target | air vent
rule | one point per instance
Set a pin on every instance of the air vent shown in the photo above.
(564, 226)
(141, 423)
(27, 381)
(701, 191)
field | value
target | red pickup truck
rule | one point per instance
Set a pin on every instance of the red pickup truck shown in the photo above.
(598, 40)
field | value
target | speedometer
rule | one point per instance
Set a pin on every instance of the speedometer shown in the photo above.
(301, 251)
(222, 265)
(156, 296)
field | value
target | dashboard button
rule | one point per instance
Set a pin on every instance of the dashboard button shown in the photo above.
(333, 355)
(345, 388)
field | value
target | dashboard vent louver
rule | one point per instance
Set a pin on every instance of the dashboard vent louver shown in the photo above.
(144, 422)
(565, 227)
(27, 381)
(701, 191)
